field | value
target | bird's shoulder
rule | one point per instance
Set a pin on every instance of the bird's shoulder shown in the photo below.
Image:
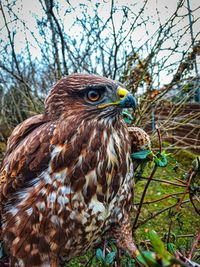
(28, 150)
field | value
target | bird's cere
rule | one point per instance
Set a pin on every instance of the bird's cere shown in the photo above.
(122, 92)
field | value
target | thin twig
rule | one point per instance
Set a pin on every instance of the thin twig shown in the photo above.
(160, 199)
(159, 138)
(163, 181)
(90, 261)
(143, 195)
(185, 236)
(169, 231)
(186, 190)
(195, 208)
(158, 213)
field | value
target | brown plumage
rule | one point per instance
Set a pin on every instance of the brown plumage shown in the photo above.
(139, 139)
(66, 178)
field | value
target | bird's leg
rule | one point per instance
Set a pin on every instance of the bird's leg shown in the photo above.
(54, 262)
(123, 235)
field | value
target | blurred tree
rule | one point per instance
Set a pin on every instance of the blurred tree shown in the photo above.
(142, 44)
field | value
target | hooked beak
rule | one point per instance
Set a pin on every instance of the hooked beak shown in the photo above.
(126, 100)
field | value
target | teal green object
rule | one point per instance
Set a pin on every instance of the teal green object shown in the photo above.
(142, 154)
(2, 251)
(161, 160)
(99, 255)
(171, 248)
(110, 258)
(128, 118)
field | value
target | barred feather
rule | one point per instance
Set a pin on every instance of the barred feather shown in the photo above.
(66, 177)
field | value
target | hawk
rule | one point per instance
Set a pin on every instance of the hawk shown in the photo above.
(66, 179)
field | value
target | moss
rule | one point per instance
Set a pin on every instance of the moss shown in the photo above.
(2, 150)
(185, 157)
(2, 147)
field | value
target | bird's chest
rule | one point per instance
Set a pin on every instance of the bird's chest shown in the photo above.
(93, 167)
(89, 185)
(93, 177)
(92, 197)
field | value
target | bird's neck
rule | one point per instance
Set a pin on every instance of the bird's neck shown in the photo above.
(92, 157)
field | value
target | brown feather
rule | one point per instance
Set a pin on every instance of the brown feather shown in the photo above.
(66, 176)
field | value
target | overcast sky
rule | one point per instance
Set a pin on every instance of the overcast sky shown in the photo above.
(28, 10)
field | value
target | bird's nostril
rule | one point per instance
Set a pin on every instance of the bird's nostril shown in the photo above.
(122, 92)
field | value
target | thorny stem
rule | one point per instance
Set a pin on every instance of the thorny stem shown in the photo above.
(194, 245)
(163, 181)
(182, 182)
(186, 190)
(143, 196)
(160, 199)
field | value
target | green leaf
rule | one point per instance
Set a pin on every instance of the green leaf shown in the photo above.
(130, 263)
(141, 154)
(113, 246)
(110, 257)
(161, 160)
(99, 255)
(128, 118)
(147, 258)
(158, 245)
(171, 248)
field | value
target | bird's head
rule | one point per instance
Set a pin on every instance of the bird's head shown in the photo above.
(93, 94)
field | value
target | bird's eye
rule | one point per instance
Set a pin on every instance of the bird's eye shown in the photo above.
(93, 95)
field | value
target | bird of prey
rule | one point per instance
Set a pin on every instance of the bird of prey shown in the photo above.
(66, 179)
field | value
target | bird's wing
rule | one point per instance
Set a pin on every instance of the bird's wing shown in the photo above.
(28, 155)
(23, 129)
